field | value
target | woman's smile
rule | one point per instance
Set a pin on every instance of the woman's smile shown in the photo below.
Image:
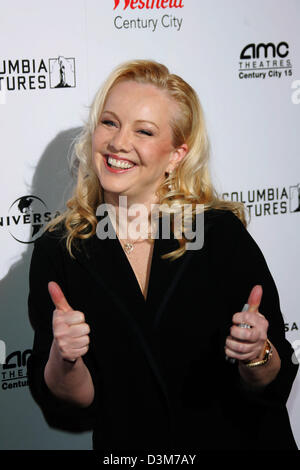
(118, 165)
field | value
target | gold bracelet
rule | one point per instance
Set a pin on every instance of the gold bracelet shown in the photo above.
(268, 351)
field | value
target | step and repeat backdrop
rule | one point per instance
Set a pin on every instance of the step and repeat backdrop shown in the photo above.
(243, 59)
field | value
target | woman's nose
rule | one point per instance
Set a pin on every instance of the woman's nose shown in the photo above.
(121, 141)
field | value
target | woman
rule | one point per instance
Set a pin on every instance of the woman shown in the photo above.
(132, 338)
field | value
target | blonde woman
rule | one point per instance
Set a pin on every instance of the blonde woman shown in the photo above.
(138, 335)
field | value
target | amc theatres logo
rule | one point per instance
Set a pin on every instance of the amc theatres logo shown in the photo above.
(148, 4)
(257, 51)
(265, 60)
(14, 370)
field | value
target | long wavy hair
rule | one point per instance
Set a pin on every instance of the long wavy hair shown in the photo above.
(190, 183)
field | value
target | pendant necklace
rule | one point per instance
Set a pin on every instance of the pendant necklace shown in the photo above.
(128, 246)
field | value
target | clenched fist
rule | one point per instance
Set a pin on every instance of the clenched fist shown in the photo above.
(70, 331)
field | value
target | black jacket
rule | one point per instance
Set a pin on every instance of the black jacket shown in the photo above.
(158, 366)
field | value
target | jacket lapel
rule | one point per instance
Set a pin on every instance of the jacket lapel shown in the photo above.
(165, 275)
(106, 261)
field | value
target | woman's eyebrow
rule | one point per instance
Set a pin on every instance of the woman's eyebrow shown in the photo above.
(149, 122)
(109, 112)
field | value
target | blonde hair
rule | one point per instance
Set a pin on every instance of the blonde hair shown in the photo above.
(190, 181)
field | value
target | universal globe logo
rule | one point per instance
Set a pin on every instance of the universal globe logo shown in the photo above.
(26, 218)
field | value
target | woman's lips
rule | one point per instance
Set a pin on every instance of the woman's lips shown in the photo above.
(115, 169)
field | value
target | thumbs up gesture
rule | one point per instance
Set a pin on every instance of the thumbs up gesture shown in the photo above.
(248, 333)
(69, 328)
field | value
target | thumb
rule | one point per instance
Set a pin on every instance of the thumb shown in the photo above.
(58, 297)
(255, 298)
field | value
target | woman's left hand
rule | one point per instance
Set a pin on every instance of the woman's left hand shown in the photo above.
(246, 344)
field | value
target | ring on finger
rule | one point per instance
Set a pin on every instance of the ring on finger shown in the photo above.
(244, 325)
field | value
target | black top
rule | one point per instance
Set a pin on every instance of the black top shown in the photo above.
(158, 366)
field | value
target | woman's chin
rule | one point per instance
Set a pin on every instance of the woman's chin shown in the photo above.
(115, 191)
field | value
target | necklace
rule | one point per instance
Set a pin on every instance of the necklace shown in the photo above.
(128, 246)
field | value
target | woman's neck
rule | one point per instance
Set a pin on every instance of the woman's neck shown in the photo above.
(133, 218)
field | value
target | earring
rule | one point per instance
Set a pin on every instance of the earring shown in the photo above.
(170, 185)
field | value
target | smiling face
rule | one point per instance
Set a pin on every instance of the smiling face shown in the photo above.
(132, 144)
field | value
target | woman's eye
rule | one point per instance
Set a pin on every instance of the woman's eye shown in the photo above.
(107, 122)
(145, 132)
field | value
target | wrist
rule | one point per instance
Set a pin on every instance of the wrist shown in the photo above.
(264, 357)
(260, 376)
(55, 355)
(70, 361)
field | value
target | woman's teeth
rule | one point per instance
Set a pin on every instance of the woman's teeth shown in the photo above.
(119, 163)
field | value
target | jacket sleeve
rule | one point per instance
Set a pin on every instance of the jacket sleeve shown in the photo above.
(247, 267)
(47, 265)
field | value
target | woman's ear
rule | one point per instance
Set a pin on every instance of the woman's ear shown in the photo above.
(176, 156)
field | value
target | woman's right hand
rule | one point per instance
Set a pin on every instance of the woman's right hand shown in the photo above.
(70, 331)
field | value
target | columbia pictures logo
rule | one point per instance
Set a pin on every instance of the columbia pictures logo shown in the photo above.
(62, 72)
(295, 198)
(268, 201)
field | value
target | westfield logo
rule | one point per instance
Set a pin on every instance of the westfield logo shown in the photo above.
(148, 4)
